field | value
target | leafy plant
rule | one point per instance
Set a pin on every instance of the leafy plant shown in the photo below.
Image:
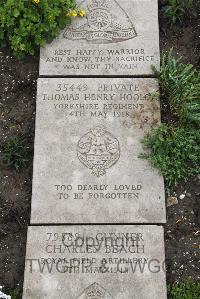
(184, 290)
(175, 145)
(175, 152)
(27, 25)
(180, 88)
(16, 153)
(16, 294)
(176, 10)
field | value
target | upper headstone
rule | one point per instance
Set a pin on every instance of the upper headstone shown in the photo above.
(87, 146)
(117, 37)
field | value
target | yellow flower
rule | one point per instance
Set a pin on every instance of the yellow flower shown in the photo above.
(81, 13)
(76, 13)
(72, 13)
(36, 1)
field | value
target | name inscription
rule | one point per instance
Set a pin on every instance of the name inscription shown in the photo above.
(127, 101)
(96, 253)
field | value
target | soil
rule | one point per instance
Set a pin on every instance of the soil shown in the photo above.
(182, 233)
(17, 116)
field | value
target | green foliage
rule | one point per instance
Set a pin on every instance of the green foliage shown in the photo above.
(175, 152)
(16, 294)
(175, 145)
(180, 88)
(177, 10)
(16, 153)
(27, 25)
(184, 290)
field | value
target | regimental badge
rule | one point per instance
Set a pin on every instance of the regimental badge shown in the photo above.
(105, 22)
(95, 291)
(98, 150)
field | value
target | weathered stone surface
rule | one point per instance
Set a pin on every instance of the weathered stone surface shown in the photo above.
(101, 262)
(117, 37)
(88, 141)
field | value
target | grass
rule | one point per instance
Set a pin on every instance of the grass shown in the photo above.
(176, 11)
(15, 153)
(175, 145)
(184, 290)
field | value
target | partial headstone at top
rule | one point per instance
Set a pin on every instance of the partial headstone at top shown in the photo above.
(117, 37)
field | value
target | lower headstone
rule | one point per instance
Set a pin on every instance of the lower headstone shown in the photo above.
(87, 165)
(95, 262)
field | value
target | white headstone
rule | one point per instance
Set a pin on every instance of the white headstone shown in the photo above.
(95, 262)
(117, 37)
(87, 146)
